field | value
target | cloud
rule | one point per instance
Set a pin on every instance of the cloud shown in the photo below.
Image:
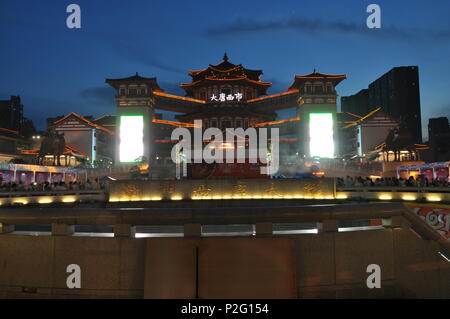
(30, 24)
(99, 93)
(309, 26)
(144, 55)
(277, 86)
(172, 88)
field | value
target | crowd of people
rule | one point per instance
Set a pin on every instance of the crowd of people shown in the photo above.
(419, 181)
(47, 186)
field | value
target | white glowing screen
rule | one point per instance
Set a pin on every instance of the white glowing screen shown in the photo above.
(131, 138)
(321, 135)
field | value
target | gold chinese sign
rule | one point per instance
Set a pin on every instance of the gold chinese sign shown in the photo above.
(134, 190)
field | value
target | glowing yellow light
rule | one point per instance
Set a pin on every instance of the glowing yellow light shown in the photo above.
(227, 197)
(135, 199)
(124, 199)
(146, 199)
(156, 198)
(69, 200)
(319, 197)
(341, 196)
(385, 197)
(22, 202)
(176, 198)
(196, 198)
(257, 197)
(113, 200)
(409, 197)
(329, 197)
(217, 197)
(45, 201)
(434, 198)
(288, 197)
(309, 197)
(298, 196)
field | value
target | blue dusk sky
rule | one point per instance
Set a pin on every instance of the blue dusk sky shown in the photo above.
(57, 70)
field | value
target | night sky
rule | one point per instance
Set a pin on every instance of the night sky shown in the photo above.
(57, 70)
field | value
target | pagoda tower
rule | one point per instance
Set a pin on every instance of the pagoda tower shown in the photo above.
(226, 95)
(135, 113)
(226, 88)
(316, 109)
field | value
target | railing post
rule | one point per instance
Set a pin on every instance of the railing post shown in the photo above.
(264, 229)
(395, 222)
(192, 230)
(62, 230)
(329, 225)
(124, 230)
(6, 229)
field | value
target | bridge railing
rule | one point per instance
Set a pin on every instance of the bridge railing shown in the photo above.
(50, 197)
(383, 193)
(430, 194)
(328, 218)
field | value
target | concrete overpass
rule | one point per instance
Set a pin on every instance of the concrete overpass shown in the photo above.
(296, 249)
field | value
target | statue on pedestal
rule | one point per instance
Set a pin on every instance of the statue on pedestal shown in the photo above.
(52, 144)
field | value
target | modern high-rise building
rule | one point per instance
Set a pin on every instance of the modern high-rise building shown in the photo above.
(357, 103)
(437, 127)
(439, 139)
(11, 114)
(397, 93)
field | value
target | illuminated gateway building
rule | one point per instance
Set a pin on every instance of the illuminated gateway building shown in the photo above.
(226, 95)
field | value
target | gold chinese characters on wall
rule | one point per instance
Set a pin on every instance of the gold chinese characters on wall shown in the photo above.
(136, 190)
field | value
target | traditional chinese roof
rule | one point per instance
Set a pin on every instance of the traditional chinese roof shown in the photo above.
(173, 123)
(79, 117)
(347, 117)
(213, 80)
(135, 79)
(275, 102)
(363, 119)
(300, 79)
(272, 123)
(106, 120)
(4, 132)
(226, 66)
(220, 112)
(270, 97)
(225, 71)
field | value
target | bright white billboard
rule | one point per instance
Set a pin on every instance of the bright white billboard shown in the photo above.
(321, 141)
(131, 138)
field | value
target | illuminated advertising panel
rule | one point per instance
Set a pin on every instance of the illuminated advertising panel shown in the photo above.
(321, 135)
(131, 138)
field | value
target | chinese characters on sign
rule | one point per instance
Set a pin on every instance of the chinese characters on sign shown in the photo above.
(224, 97)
